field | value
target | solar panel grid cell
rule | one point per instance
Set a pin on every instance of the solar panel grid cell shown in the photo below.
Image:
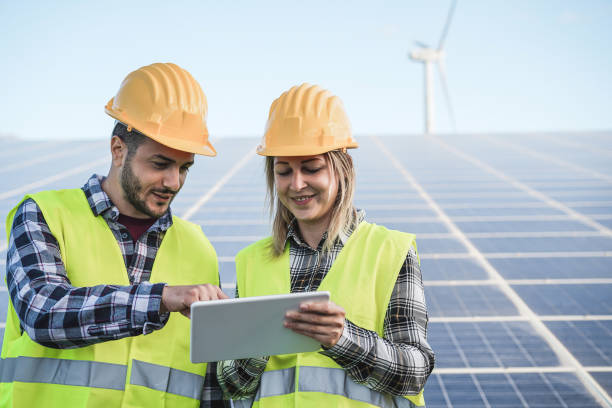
(577, 299)
(445, 301)
(588, 341)
(235, 229)
(528, 244)
(451, 269)
(606, 223)
(489, 344)
(374, 214)
(554, 268)
(3, 301)
(593, 210)
(605, 379)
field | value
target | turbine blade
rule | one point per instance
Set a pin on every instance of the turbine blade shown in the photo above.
(449, 18)
(449, 105)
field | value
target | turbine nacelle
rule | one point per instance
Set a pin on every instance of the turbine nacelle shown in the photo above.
(426, 54)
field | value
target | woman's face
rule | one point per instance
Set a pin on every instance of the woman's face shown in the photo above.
(307, 186)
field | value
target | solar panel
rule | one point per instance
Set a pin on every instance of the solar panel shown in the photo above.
(528, 244)
(533, 223)
(555, 268)
(451, 269)
(575, 299)
(588, 341)
(415, 227)
(514, 234)
(4, 303)
(481, 300)
(489, 344)
(508, 390)
(605, 379)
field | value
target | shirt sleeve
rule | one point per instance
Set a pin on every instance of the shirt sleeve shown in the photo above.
(56, 314)
(400, 362)
(239, 379)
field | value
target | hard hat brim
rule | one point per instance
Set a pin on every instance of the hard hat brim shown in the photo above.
(300, 150)
(204, 149)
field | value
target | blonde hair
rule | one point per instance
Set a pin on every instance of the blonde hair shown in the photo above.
(343, 216)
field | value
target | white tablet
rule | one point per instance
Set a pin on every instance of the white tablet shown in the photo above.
(231, 329)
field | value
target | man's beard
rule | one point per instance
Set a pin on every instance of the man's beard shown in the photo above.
(132, 188)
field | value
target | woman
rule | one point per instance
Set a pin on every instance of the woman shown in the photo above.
(373, 331)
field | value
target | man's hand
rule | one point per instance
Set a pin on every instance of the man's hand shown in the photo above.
(323, 321)
(180, 298)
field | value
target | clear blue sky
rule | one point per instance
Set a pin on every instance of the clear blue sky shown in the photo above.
(520, 65)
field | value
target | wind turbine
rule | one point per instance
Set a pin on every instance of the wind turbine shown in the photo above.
(429, 56)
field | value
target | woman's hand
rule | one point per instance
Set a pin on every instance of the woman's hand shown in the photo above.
(323, 321)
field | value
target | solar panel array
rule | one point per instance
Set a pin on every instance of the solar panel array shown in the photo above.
(514, 234)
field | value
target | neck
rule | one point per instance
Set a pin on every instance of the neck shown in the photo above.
(312, 232)
(112, 188)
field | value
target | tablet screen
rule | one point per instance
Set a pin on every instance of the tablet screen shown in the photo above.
(231, 329)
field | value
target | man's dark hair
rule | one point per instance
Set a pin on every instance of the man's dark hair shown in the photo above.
(132, 139)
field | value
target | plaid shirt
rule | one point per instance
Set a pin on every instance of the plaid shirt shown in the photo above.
(397, 364)
(56, 314)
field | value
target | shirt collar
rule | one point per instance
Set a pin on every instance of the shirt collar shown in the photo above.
(101, 204)
(293, 232)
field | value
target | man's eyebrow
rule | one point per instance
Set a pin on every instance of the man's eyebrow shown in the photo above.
(162, 157)
(170, 160)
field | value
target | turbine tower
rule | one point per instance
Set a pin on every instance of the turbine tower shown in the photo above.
(429, 56)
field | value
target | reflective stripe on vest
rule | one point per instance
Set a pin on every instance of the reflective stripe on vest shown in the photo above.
(166, 379)
(64, 372)
(278, 382)
(321, 379)
(244, 403)
(100, 375)
(336, 381)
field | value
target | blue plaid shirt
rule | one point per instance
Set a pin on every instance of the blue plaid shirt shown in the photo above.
(45, 300)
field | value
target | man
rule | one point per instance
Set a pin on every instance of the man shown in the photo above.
(93, 273)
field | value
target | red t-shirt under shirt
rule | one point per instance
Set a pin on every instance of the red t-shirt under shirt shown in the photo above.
(136, 226)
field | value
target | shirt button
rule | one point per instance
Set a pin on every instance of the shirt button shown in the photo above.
(124, 235)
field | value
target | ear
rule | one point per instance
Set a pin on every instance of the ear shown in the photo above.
(118, 151)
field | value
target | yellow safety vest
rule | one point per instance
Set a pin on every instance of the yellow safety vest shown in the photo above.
(150, 370)
(361, 280)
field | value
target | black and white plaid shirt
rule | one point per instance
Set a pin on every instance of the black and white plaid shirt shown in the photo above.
(56, 314)
(397, 364)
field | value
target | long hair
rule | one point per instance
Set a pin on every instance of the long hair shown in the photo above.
(343, 213)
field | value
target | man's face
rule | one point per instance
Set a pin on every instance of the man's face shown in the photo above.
(152, 176)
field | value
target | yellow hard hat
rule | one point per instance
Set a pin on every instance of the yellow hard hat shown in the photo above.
(165, 103)
(306, 120)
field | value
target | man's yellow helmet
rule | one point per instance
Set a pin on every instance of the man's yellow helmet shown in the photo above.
(164, 102)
